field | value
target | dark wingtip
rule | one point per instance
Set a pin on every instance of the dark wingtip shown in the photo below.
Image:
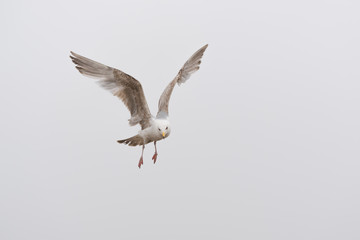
(80, 69)
(72, 55)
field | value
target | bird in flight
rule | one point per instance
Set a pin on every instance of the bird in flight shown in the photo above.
(130, 91)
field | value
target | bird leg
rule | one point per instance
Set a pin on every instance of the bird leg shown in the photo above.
(141, 162)
(155, 154)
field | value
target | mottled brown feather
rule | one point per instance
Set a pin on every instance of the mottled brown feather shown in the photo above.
(134, 141)
(122, 85)
(190, 66)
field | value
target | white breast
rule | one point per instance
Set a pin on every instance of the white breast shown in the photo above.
(152, 133)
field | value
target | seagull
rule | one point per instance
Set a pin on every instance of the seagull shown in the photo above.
(131, 93)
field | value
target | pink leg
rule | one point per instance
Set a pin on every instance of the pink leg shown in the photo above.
(141, 162)
(155, 154)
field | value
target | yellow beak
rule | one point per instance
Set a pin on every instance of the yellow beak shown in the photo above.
(163, 133)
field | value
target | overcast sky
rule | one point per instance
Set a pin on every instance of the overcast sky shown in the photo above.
(265, 136)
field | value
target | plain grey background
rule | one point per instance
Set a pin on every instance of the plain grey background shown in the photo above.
(265, 137)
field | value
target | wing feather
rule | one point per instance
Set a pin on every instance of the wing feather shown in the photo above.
(190, 66)
(120, 84)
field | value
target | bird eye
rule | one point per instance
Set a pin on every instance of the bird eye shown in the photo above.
(166, 128)
(159, 129)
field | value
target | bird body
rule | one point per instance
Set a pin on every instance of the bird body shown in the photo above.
(159, 129)
(130, 91)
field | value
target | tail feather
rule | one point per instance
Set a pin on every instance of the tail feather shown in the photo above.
(133, 141)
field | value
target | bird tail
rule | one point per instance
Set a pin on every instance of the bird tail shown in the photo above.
(133, 141)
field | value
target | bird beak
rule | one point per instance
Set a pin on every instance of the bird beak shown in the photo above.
(163, 133)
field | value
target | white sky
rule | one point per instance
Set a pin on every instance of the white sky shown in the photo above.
(265, 137)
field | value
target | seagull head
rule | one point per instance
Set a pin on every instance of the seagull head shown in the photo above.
(163, 127)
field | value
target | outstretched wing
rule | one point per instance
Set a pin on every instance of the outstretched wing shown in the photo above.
(191, 66)
(120, 84)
